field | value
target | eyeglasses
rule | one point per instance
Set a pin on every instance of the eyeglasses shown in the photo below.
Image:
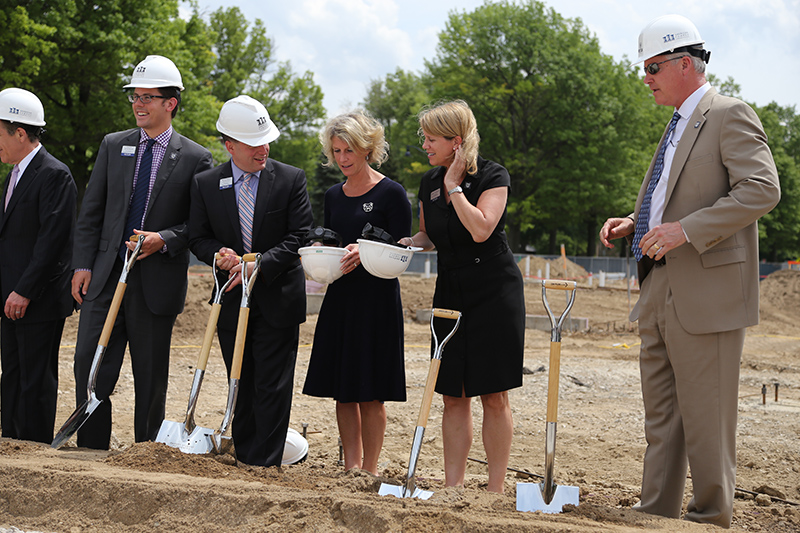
(653, 68)
(144, 98)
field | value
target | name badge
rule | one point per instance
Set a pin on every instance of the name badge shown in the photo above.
(128, 151)
(225, 183)
(435, 194)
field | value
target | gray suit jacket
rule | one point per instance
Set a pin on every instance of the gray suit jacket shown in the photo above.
(104, 210)
(723, 179)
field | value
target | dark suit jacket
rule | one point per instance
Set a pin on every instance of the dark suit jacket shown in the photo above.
(722, 180)
(282, 218)
(36, 239)
(105, 206)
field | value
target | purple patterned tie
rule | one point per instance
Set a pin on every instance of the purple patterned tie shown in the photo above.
(247, 205)
(11, 184)
(643, 219)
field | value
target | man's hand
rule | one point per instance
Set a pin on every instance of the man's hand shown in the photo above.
(80, 284)
(229, 259)
(661, 239)
(16, 306)
(152, 243)
(615, 228)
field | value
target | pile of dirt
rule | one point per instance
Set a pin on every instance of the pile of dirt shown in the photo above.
(780, 294)
(560, 268)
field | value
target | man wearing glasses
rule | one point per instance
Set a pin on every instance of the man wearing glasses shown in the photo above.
(140, 184)
(694, 234)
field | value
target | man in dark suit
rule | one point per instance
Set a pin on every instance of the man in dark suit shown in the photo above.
(140, 184)
(274, 225)
(695, 235)
(36, 228)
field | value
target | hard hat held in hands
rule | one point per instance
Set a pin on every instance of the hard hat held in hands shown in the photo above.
(323, 263)
(155, 72)
(21, 106)
(381, 255)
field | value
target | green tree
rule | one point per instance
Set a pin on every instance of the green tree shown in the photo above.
(779, 230)
(568, 122)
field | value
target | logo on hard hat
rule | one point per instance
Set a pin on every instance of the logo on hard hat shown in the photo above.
(140, 70)
(262, 122)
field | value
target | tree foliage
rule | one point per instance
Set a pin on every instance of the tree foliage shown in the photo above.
(569, 124)
(76, 55)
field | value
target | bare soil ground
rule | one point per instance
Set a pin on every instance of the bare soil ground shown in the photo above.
(149, 486)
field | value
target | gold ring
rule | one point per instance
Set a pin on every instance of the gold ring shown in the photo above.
(657, 247)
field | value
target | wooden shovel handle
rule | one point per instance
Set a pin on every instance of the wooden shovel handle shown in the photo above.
(552, 381)
(427, 396)
(245, 257)
(445, 313)
(238, 347)
(111, 317)
(208, 338)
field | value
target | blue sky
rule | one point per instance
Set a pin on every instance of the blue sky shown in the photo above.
(347, 43)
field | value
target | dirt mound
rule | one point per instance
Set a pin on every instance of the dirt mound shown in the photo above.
(560, 268)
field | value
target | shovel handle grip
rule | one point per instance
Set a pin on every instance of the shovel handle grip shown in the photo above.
(238, 347)
(245, 257)
(427, 396)
(208, 338)
(552, 381)
(559, 284)
(249, 257)
(445, 313)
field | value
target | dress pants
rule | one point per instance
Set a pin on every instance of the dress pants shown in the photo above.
(29, 380)
(261, 417)
(148, 338)
(690, 390)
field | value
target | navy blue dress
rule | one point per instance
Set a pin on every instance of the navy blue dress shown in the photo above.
(357, 354)
(481, 280)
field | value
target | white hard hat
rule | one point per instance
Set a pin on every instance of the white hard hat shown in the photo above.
(384, 260)
(322, 263)
(246, 119)
(154, 72)
(296, 448)
(19, 105)
(666, 34)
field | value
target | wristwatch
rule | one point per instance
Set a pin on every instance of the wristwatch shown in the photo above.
(454, 190)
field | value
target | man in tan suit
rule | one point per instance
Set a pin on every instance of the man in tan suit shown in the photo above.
(695, 234)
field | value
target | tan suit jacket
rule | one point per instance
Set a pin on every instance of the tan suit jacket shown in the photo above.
(720, 184)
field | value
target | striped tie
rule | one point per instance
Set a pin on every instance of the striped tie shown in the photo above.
(12, 184)
(643, 220)
(247, 205)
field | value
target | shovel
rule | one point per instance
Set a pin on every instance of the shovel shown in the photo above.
(85, 410)
(186, 436)
(547, 496)
(220, 440)
(410, 489)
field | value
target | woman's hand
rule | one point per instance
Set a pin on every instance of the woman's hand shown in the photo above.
(351, 259)
(456, 172)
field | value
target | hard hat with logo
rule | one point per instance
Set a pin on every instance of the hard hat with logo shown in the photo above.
(246, 119)
(154, 72)
(19, 105)
(669, 34)
(296, 448)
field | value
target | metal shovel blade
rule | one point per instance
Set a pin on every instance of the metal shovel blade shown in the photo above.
(174, 434)
(402, 492)
(75, 421)
(530, 498)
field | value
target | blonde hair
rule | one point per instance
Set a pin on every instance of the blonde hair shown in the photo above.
(453, 119)
(360, 131)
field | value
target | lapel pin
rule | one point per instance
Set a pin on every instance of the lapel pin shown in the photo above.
(697, 124)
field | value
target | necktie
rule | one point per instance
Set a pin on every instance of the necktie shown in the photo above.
(643, 220)
(11, 184)
(139, 198)
(247, 204)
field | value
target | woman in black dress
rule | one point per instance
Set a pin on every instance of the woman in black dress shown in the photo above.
(357, 357)
(462, 215)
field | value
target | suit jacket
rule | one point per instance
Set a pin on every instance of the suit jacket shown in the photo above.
(282, 218)
(723, 179)
(36, 239)
(104, 210)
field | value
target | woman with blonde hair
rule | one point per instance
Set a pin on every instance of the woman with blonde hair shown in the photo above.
(357, 357)
(462, 215)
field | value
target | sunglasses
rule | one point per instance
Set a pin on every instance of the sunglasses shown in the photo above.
(654, 68)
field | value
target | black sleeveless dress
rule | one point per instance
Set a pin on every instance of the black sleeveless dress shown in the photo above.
(481, 280)
(358, 351)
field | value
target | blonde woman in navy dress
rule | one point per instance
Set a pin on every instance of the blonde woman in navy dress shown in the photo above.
(462, 214)
(357, 358)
